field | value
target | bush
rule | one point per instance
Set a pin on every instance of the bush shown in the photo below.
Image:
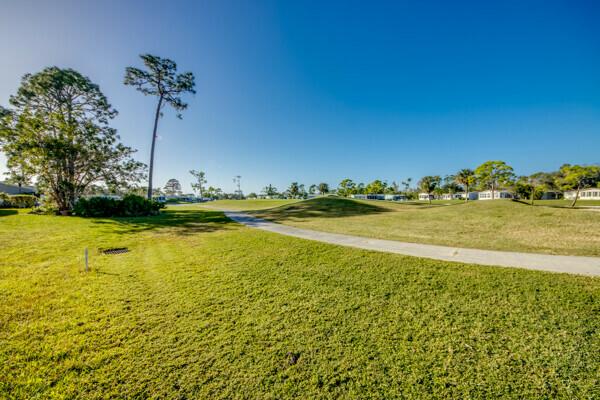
(133, 206)
(4, 200)
(17, 201)
(129, 206)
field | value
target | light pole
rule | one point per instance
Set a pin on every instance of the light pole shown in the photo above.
(236, 180)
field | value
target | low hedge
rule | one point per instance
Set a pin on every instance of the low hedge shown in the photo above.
(17, 200)
(129, 206)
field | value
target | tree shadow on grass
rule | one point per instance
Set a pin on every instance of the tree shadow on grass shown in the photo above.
(180, 222)
(323, 207)
(7, 212)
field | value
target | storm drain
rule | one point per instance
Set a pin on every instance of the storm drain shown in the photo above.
(116, 250)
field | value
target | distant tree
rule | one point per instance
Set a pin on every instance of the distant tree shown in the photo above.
(270, 190)
(58, 132)
(577, 177)
(494, 174)
(394, 188)
(294, 190)
(302, 191)
(448, 185)
(537, 183)
(428, 184)
(200, 177)
(160, 79)
(376, 187)
(312, 189)
(213, 193)
(18, 173)
(346, 187)
(172, 187)
(360, 188)
(323, 188)
(465, 178)
(406, 184)
(252, 195)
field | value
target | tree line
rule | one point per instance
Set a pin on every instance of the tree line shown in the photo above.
(57, 130)
(492, 175)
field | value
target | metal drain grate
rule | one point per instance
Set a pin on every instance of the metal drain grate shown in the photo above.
(116, 250)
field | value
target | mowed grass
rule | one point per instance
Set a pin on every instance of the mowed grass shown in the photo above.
(204, 308)
(242, 205)
(494, 225)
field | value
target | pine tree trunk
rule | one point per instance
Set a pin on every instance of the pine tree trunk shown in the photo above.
(151, 167)
(576, 197)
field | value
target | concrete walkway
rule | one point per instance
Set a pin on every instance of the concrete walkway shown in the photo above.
(541, 262)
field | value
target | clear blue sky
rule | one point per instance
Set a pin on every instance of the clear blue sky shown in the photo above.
(319, 91)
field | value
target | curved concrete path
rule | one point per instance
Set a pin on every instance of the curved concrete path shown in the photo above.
(541, 262)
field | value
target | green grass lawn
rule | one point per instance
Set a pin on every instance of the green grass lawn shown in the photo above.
(567, 203)
(243, 205)
(204, 308)
(494, 225)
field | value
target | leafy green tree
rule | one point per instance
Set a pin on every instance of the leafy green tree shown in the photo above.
(18, 173)
(200, 177)
(428, 184)
(449, 185)
(577, 177)
(323, 188)
(376, 187)
(160, 79)
(537, 183)
(493, 175)
(346, 187)
(302, 191)
(172, 187)
(294, 190)
(58, 132)
(312, 189)
(270, 190)
(465, 178)
(394, 188)
(360, 188)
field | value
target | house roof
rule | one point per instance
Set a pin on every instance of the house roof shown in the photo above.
(14, 189)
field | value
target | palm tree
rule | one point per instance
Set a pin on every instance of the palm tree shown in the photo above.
(465, 178)
(428, 184)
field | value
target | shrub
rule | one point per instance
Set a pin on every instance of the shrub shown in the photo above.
(20, 201)
(133, 206)
(4, 200)
(130, 206)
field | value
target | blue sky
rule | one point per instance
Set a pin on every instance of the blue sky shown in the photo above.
(319, 91)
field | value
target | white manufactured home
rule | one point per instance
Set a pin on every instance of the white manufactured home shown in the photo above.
(369, 196)
(426, 196)
(453, 196)
(584, 194)
(395, 197)
(496, 195)
(551, 195)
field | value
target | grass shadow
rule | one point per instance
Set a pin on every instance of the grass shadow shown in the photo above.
(323, 207)
(7, 212)
(174, 221)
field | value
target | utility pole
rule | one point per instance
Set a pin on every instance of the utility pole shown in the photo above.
(236, 180)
